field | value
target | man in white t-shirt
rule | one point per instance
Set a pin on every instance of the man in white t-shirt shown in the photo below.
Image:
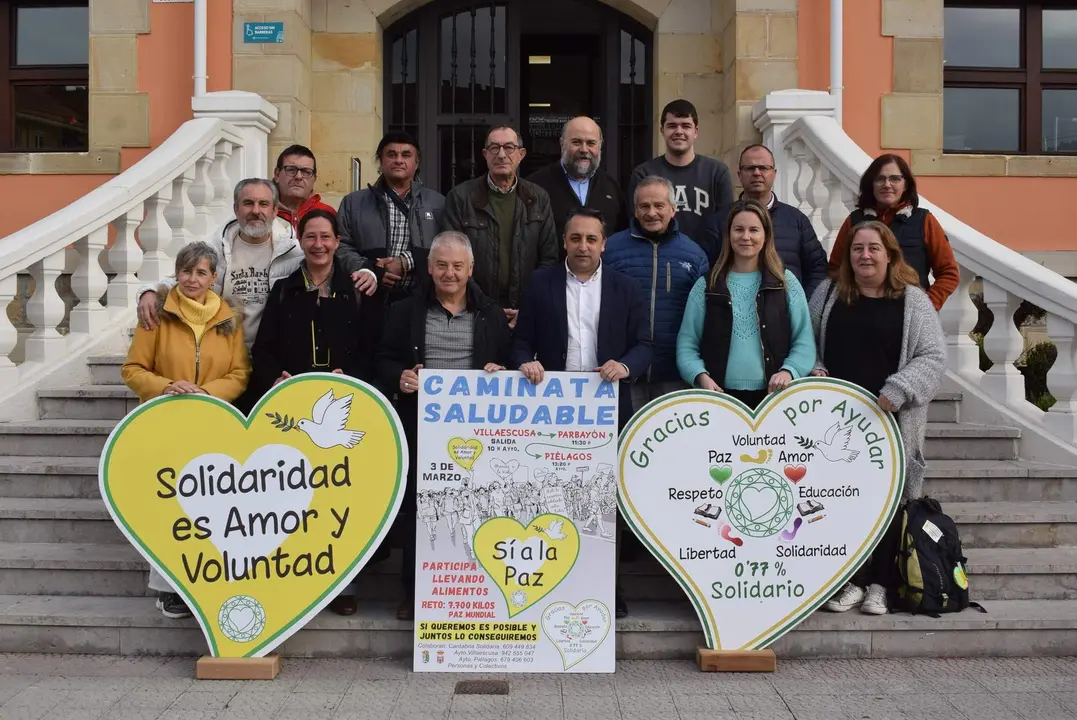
(254, 251)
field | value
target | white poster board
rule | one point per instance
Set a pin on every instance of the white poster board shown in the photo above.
(761, 516)
(516, 510)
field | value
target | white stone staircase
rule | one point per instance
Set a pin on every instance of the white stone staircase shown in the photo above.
(71, 582)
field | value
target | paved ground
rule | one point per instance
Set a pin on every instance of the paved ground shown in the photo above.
(81, 687)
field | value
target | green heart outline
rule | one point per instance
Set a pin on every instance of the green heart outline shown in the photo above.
(508, 605)
(609, 623)
(775, 632)
(345, 577)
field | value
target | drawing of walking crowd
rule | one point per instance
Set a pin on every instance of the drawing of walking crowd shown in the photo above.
(588, 498)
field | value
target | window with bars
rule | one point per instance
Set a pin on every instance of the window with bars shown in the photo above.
(1010, 77)
(45, 53)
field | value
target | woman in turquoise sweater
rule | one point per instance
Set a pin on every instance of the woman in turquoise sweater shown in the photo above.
(746, 329)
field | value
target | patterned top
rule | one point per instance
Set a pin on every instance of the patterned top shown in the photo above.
(449, 339)
(400, 234)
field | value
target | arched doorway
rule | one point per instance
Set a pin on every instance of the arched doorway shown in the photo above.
(454, 68)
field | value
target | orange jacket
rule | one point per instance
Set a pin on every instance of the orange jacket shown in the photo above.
(940, 255)
(217, 363)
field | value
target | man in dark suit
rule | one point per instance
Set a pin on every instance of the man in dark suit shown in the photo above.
(577, 180)
(581, 317)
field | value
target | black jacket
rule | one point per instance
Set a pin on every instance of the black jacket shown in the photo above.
(364, 227)
(603, 194)
(775, 329)
(403, 341)
(794, 239)
(296, 321)
(624, 332)
(467, 210)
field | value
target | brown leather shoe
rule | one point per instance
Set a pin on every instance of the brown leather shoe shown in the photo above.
(406, 609)
(344, 605)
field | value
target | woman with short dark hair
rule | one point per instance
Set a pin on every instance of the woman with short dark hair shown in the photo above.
(876, 328)
(888, 194)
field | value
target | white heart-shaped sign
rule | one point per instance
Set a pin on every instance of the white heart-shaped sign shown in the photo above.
(272, 508)
(576, 630)
(761, 516)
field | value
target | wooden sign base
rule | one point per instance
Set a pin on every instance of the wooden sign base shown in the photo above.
(736, 660)
(218, 668)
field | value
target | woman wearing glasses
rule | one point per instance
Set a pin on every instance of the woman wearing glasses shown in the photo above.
(312, 321)
(888, 194)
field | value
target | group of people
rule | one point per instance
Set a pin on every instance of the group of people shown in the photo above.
(669, 286)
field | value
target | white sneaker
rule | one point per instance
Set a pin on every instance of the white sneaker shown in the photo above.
(847, 598)
(875, 603)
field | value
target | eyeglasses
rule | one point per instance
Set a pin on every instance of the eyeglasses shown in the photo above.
(892, 179)
(495, 149)
(756, 168)
(292, 171)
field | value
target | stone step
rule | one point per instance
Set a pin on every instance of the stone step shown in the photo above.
(964, 441)
(51, 438)
(1015, 524)
(118, 570)
(131, 626)
(946, 407)
(105, 369)
(56, 477)
(87, 402)
(57, 520)
(71, 438)
(999, 481)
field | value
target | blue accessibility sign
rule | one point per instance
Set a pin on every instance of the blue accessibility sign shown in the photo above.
(263, 32)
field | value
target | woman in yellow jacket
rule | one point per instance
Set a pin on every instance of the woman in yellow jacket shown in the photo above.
(197, 348)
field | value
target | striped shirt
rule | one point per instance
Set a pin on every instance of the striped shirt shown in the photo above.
(449, 339)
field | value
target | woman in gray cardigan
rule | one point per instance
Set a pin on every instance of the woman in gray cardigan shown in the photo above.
(876, 328)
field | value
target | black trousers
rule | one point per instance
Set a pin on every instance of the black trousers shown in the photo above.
(751, 398)
(881, 567)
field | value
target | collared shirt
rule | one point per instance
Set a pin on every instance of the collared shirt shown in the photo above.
(449, 338)
(400, 233)
(493, 186)
(580, 187)
(583, 300)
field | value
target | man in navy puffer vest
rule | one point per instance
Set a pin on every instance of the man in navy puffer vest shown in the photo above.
(665, 263)
(794, 237)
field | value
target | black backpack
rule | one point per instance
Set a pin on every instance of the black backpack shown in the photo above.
(930, 561)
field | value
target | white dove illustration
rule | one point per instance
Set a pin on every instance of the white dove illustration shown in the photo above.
(835, 444)
(554, 531)
(329, 416)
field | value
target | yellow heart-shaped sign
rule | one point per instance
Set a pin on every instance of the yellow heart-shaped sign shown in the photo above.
(526, 563)
(258, 522)
(465, 452)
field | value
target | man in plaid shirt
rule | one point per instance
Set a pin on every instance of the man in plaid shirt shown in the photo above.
(388, 227)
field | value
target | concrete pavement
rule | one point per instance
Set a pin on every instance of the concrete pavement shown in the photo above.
(84, 687)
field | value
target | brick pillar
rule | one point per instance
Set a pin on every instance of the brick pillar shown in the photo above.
(279, 72)
(346, 119)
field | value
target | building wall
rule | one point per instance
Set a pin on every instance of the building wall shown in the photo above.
(141, 67)
(893, 103)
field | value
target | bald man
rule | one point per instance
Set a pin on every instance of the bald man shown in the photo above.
(578, 180)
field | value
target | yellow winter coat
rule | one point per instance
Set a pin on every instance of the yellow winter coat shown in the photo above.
(217, 363)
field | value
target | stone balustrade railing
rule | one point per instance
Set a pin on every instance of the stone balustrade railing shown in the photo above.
(121, 235)
(819, 169)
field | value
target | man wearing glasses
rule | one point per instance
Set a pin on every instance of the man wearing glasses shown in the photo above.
(294, 176)
(794, 237)
(507, 219)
